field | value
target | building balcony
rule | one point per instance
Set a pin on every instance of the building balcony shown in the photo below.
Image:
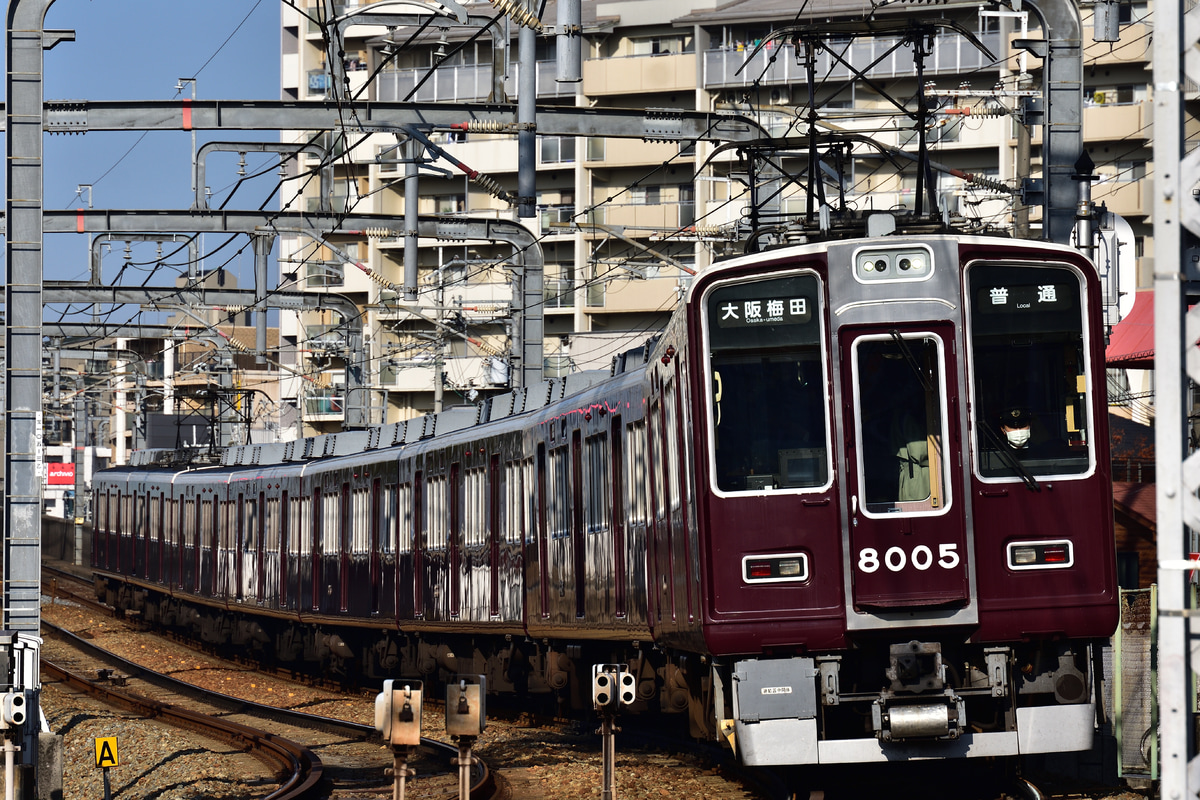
(463, 84)
(635, 152)
(660, 216)
(663, 72)
(1118, 122)
(655, 292)
(952, 54)
(324, 405)
(1127, 198)
(461, 372)
(1102, 53)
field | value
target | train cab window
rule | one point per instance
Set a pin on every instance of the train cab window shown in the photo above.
(1030, 381)
(767, 403)
(899, 405)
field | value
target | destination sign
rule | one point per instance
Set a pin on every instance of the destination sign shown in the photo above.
(744, 313)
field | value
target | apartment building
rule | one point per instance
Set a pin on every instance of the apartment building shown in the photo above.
(623, 223)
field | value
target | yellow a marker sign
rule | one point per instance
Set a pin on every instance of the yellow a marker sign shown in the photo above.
(106, 752)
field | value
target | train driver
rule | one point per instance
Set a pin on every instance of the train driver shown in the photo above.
(1014, 424)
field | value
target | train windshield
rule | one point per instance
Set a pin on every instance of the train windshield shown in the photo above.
(1030, 378)
(898, 405)
(767, 385)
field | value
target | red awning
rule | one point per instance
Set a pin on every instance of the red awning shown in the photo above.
(1132, 343)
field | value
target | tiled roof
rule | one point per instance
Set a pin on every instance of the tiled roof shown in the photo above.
(1137, 500)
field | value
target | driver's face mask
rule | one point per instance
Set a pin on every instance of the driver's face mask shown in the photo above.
(1017, 437)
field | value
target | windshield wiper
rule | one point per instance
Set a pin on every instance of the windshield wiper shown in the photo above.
(1013, 463)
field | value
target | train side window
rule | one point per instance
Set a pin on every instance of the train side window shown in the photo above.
(305, 531)
(654, 464)
(474, 500)
(331, 525)
(250, 542)
(671, 462)
(557, 497)
(405, 521)
(362, 521)
(435, 508)
(1028, 357)
(387, 521)
(768, 410)
(635, 473)
(206, 524)
(512, 502)
(599, 488)
(271, 528)
(529, 507)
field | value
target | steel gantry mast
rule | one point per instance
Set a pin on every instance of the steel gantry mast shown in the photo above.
(1176, 362)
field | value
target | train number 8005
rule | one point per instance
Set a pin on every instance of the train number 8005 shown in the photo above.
(897, 558)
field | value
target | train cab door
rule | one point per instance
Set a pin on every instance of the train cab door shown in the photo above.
(907, 545)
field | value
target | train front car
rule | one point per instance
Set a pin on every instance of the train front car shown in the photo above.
(904, 499)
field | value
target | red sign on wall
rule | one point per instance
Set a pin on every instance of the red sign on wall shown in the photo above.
(60, 474)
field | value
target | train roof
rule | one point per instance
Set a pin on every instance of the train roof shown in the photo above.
(798, 250)
(519, 401)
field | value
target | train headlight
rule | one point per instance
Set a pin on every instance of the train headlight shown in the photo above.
(1047, 554)
(893, 264)
(775, 568)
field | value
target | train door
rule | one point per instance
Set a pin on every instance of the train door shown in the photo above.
(418, 544)
(375, 519)
(578, 534)
(99, 525)
(315, 548)
(679, 482)
(543, 576)
(662, 591)
(193, 584)
(617, 464)
(179, 514)
(264, 530)
(285, 542)
(907, 539)
(455, 534)
(493, 535)
(137, 561)
(346, 522)
(211, 526)
(160, 536)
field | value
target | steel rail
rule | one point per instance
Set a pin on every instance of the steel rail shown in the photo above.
(483, 785)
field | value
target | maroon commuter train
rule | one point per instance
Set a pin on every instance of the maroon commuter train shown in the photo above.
(852, 504)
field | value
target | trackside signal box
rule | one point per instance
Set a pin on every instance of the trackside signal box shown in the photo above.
(398, 712)
(465, 700)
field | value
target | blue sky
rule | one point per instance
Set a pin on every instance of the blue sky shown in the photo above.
(138, 49)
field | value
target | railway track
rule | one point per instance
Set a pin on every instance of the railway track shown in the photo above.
(286, 741)
(541, 757)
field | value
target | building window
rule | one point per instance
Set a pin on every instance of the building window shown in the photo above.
(558, 150)
(1123, 171)
(324, 273)
(450, 204)
(1114, 95)
(645, 196)
(656, 45)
